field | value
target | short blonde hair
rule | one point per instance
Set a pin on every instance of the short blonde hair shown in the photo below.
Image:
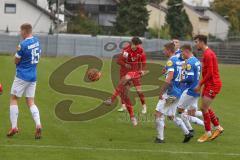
(26, 27)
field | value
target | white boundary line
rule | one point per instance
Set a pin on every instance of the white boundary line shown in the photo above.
(118, 149)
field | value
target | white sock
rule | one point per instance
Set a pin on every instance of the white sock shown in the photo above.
(179, 122)
(124, 106)
(35, 114)
(14, 115)
(144, 106)
(196, 120)
(185, 119)
(160, 127)
(198, 114)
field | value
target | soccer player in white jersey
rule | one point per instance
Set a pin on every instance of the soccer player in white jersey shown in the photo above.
(24, 84)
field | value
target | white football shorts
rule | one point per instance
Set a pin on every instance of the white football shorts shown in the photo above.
(20, 87)
(188, 102)
(167, 109)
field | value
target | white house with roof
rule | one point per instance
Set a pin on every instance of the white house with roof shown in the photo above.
(13, 13)
(157, 15)
(205, 21)
(218, 26)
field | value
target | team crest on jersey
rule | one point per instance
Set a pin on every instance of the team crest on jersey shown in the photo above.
(169, 63)
(184, 66)
(125, 54)
(19, 47)
(189, 67)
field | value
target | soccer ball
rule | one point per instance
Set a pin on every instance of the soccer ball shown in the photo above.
(93, 74)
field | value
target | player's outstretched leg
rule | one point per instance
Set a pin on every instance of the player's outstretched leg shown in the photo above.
(187, 134)
(193, 115)
(186, 121)
(160, 123)
(119, 89)
(13, 116)
(195, 120)
(188, 117)
(36, 117)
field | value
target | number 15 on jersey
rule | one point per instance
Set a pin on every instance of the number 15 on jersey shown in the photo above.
(35, 55)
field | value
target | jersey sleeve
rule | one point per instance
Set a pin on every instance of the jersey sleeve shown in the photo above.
(170, 66)
(189, 73)
(190, 69)
(19, 53)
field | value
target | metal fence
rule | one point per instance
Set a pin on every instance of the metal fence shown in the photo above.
(108, 46)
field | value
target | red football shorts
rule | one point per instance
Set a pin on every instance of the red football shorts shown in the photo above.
(133, 75)
(211, 91)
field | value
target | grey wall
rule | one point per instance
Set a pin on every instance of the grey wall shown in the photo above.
(105, 46)
(75, 45)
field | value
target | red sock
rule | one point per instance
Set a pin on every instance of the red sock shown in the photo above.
(130, 110)
(207, 121)
(213, 117)
(129, 106)
(142, 98)
(118, 91)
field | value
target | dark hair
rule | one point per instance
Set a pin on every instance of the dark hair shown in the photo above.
(170, 46)
(201, 38)
(136, 41)
(175, 38)
(186, 47)
(27, 27)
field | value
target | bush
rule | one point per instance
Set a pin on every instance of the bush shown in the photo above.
(83, 25)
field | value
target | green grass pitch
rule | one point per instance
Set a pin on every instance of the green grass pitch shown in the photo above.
(109, 137)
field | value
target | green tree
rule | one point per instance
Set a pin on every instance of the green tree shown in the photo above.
(178, 21)
(83, 25)
(155, 1)
(132, 18)
(230, 9)
(162, 33)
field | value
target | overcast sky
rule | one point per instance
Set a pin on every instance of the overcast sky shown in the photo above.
(205, 2)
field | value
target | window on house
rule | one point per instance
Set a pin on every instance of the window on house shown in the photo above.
(10, 8)
(108, 8)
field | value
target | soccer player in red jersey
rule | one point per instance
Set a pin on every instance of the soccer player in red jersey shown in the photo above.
(133, 55)
(211, 84)
(125, 67)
